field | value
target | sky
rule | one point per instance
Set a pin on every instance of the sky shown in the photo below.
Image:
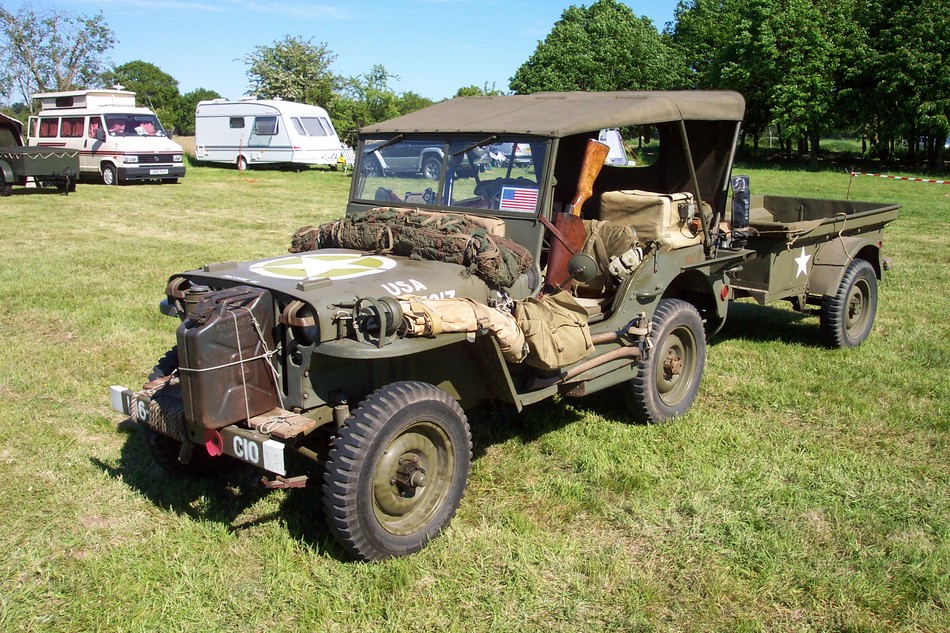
(434, 47)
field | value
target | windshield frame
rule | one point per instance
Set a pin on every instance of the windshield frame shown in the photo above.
(455, 153)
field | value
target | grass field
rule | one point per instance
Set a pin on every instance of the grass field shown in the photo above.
(807, 490)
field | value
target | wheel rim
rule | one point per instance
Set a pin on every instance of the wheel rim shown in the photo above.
(370, 168)
(413, 478)
(431, 170)
(676, 370)
(857, 307)
(108, 176)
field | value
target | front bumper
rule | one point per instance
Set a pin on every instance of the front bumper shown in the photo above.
(247, 445)
(151, 172)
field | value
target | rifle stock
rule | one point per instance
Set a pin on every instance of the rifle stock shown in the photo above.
(569, 233)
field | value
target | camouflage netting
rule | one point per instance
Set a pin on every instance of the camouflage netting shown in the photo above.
(421, 235)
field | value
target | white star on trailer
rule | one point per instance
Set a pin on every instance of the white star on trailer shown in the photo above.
(802, 261)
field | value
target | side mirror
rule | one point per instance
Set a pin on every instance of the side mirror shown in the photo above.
(582, 267)
(100, 134)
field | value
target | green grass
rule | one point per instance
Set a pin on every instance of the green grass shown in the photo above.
(807, 489)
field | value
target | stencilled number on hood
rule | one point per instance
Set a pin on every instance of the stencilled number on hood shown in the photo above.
(414, 287)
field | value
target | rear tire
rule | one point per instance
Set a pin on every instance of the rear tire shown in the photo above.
(847, 318)
(397, 470)
(668, 380)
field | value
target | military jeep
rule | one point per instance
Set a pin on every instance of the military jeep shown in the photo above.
(305, 366)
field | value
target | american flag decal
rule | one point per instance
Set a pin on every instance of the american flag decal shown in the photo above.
(518, 199)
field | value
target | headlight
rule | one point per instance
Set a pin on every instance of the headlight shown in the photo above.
(130, 159)
(176, 158)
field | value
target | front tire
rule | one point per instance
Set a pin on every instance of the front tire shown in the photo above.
(165, 451)
(668, 380)
(110, 176)
(847, 317)
(370, 166)
(432, 168)
(397, 470)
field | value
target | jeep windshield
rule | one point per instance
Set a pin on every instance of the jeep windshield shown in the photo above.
(500, 173)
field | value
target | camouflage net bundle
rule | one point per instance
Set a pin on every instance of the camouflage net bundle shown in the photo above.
(421, 235)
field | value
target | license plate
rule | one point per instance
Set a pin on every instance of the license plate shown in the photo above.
(157, 172)
(130, 403)
(266, 454)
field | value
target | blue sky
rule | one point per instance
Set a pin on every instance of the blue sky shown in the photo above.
(433, 46)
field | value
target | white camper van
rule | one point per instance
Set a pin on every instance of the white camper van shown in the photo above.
(257, 132)
(117, 141)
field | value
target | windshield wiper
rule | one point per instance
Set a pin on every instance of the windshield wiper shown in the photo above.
(394, 139)
(484, 141)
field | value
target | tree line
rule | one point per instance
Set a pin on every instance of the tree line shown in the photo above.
(874, 69)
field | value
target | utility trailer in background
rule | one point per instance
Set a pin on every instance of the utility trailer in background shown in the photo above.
(48, 167)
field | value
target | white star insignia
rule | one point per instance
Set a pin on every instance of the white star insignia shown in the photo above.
(802, 261)
(330, 265)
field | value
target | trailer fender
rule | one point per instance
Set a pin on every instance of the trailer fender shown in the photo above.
(832, 258)
(6, 170)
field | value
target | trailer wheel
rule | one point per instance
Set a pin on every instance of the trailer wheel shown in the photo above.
(668, 380)
(109, 175)
(397, 470)
(847, 317)
(241, 163)
(5, 188)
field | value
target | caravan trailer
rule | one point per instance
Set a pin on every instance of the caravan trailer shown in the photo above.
(266, 131)
(117, 141)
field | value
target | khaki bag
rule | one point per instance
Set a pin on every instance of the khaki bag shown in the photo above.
(555, 328)
(431, 317)
(605, 240)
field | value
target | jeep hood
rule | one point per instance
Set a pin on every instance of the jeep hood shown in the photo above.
(333, 275)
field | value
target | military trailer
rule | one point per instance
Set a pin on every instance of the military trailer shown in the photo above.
(350, 363)
(48, 167)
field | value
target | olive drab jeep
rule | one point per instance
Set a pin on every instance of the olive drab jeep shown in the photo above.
(519, 260)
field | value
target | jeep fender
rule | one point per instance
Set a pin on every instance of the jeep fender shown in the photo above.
(833, 258)
(693, 279)
(471, 370)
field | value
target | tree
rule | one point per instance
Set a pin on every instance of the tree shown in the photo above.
(899, 84)
(183, 112)
(368, 98)
(602, 47)
(294, 69)
(475, 91)
(151, 85)
(730, 46)
(52, 50)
